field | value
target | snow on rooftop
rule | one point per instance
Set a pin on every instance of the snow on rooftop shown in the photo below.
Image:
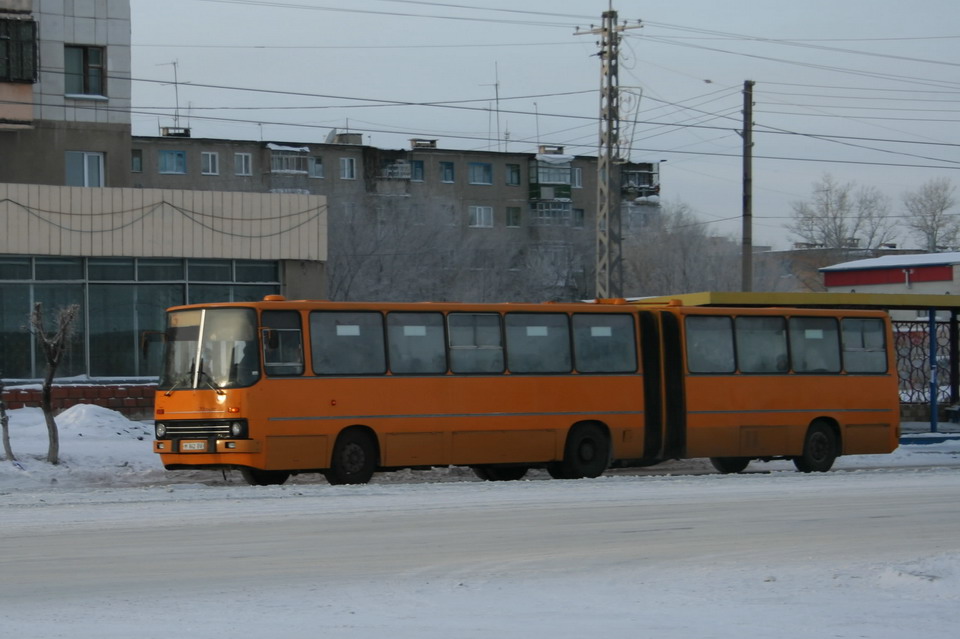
(293, 149)
(898, 261)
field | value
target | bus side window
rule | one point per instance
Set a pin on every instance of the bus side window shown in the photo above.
(761, 344)
(815, 345)
(415, 343)
(476, 342)
(604, 343)
(864, 347)
(710, 344)
(347, 343)
(538, 343)
(282, 343)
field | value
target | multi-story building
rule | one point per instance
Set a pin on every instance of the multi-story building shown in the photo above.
(65, 92)
(423, 222)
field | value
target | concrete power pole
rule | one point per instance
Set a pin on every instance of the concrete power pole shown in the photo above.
(746, 267)
(609, 265)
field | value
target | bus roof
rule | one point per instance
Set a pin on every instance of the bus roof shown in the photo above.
(885, 301)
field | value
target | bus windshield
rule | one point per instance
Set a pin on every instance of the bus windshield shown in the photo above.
(212, 348)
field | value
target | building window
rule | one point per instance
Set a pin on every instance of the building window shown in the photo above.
(288, 162)
(348, 168)
(84, 70)
(122, 301)
(514, 216)
(552, 213)
(481, 173)
(136, 160)
(18, 51)
(481, 217)
(552, 173)
(577, 178)
(513, 175)
(416, 170)
(84, 168)
(243, 164)
(173, 162)
(578, 218)
(446, 172)
(315, 166)
(209, 163)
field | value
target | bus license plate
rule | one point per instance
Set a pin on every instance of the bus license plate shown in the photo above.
(193, 446)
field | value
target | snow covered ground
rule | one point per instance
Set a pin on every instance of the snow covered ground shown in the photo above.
(108, 544)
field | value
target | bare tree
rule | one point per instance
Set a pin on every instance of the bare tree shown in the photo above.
(840, 216)
(389, 252)
(675, 254)
(927, 216)
(5, 427)
(53, 345)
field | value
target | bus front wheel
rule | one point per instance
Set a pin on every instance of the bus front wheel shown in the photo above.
(730, 464)
(586, 454)
(820, 449)
(354, 458)
(257, 477)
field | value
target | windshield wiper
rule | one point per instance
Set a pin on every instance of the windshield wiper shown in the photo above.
(205, 378)
(176, 384)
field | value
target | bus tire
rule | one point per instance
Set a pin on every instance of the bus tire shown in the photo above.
(586, 453)
(257, 477)
(728, 465)
(820, 449)
(499, 473)
(354, 458)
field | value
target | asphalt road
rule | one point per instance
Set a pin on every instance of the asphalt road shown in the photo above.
(116, 542)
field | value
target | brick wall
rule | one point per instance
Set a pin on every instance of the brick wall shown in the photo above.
(134, 401)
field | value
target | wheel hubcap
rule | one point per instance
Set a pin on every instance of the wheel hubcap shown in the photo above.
(588, 451)
(353, 458)
(818, 446)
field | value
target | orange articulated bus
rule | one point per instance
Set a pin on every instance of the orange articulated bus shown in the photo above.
(280, 387)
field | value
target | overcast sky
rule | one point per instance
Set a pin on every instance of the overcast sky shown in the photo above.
(867, 90)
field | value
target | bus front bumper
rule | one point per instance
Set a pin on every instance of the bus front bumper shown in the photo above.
(201, 446)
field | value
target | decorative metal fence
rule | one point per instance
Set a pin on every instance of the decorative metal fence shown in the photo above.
(913, 361)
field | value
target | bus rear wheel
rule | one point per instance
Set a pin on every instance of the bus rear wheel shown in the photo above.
(257, 477)
(586, 454)
(730, 464)
(820, 449)
(499, 473)
(354, 458)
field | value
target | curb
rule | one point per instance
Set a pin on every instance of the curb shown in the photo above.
(929, 438)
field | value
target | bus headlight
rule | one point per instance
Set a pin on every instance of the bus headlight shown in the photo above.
(160, 429)
(237, 429)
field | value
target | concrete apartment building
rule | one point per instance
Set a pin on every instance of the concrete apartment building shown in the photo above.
(126, 226)
(481, 226)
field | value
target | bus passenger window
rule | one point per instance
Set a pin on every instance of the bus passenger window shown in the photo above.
(604, 343)
(814, 345)
(538, 343)
(710, 344)
(415, 343)
(864, 348)
(282, 343)
(762, 344)
(476, 343)
(347, 343)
